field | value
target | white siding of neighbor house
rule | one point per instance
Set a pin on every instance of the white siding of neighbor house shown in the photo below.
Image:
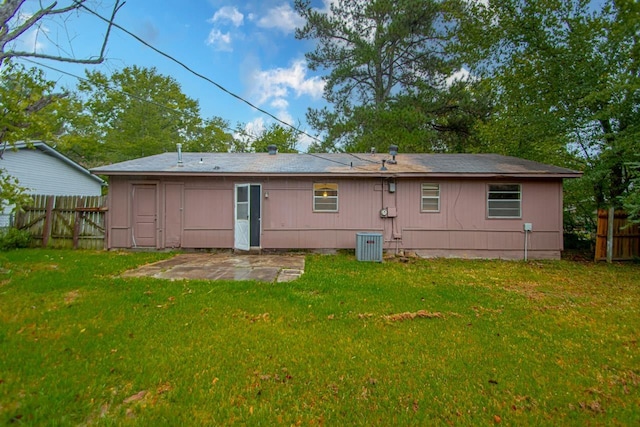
(42, 173)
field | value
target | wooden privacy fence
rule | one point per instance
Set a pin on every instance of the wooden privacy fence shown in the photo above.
(65, 221)
(617, 239)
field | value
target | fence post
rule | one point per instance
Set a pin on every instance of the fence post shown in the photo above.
(78, 217)
(46, 229)
(610, 236)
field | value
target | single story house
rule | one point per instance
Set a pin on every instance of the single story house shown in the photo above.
(41, 169)
(458, 205)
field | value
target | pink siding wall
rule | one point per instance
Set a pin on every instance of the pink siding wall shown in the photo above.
(461, 228)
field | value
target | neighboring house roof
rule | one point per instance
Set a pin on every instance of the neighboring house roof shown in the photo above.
(46, 149)
(335, 164)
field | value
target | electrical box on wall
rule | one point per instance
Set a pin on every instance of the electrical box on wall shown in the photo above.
(528, 226)
(392, 186)
(388, 212)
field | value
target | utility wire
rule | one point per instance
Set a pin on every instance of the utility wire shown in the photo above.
(175, 110)
(202, 76)
(222, 88)
(107, 86)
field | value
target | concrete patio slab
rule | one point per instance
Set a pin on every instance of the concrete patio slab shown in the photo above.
(224, 266)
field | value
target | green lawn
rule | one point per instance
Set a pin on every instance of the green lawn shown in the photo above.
(418, 343)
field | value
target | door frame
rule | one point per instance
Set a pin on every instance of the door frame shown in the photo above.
(239, 236)
(132, 186)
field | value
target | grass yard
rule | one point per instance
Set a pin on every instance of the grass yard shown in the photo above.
(420, 343)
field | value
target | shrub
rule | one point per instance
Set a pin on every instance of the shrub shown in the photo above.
(12, 238)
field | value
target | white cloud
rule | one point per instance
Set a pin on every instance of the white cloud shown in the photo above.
(304, 142)
(251, 130)
(277, 83)
(219, 40)
(280, 103)
(285, 117)
(484, 3)
(462, 75)
(32, 40)
(230, 14)
(283, 18)
(327, 6)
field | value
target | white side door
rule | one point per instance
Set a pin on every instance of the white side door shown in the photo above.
(241, 231)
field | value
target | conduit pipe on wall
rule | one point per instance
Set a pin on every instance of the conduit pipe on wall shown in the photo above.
(528, 227)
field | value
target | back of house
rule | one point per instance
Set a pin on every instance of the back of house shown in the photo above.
(446, 205)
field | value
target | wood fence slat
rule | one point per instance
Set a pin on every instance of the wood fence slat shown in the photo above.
(46, 229)
(66, 221)
(626, 237)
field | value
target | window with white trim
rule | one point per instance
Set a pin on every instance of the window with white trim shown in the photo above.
(430, 198)
(325, 197)
(504, 201)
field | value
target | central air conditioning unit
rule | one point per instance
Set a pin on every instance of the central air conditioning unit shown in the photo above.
(369, 247)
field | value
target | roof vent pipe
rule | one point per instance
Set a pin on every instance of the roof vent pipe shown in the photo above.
(272, 149)
(393, 150)
(179, 154)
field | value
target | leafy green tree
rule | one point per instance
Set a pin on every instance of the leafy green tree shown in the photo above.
(631, 200)
(387, 65)
(12, 195)
(210, 136)
(29, 106)
(563, 76)
(137, 112)
(285, 139)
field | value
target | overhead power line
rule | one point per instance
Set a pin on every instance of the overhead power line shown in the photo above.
(219, 86)
(106, 85)
(202, 76)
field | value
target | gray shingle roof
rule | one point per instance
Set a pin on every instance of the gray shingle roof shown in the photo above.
(333, 164)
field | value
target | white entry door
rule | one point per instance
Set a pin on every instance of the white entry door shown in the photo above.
(242, 225)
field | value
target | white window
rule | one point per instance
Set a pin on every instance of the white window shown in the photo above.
(430, 198)
(504, 201)
(325, 197)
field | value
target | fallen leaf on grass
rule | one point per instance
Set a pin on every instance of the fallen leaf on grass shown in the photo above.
(70, 297)
(163, 388)
(104, 410)
(593, 406)
(497, 419)
(138, 396)
(410, 316)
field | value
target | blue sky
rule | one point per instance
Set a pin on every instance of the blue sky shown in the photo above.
(248, 47)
